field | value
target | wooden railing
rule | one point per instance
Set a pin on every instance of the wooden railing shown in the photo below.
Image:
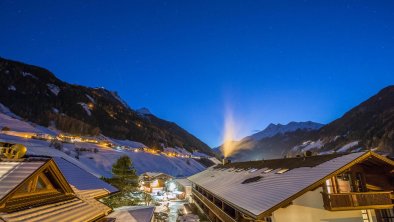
(352, 201)
(215, 209)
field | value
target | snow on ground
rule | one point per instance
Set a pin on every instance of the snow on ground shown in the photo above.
(313, 145)
(308, 145)
(177, 150)
(41, 148)
(12, 88)
(53, 88)
(199, 154)
(90, 98)
(7, 111)
(16, 124)
(12, 121)
(86, 108)
(98, 163)
(27, 74)
(128, 143)
(142, 162)
(347, 146)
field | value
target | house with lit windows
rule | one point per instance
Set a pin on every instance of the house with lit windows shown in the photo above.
(153, 182)
(330, 188)
(48, 189)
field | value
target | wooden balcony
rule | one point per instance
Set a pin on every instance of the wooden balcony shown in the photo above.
(355, 201)
(215, 209)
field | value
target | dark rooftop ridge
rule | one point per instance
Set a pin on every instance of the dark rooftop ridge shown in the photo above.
(285, 163)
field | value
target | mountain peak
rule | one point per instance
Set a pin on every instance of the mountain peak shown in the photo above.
(274, 129)
(144, 111)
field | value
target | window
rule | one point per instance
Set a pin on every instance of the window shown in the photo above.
(267, 170)
(38, 184)
(344, 182)
(329, 186)
(365, 216)
(387, 215)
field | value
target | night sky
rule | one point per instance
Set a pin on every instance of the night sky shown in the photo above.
(269, 61)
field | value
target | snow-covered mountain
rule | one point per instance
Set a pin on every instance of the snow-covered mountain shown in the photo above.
(144, 111)
(370, 125)
(37, 95)
(274, 129)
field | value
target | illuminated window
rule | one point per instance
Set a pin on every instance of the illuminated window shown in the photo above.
(267, 170)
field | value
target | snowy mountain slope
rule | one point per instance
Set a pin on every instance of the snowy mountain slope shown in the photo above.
(369, 125)
(273, 129)
(38, 96)
(97, 163)
(100, 163)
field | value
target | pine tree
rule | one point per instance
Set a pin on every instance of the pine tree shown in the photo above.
(123, 169)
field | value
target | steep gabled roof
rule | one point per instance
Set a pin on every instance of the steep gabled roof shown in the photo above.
(81, 179)
(155, 174)
(133, 214)
(12, 173)
(257, 188)
(15, 173)
(64, 203)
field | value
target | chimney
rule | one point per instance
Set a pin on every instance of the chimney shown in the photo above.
(226, 161)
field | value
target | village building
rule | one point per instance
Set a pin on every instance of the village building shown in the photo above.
(48, 189)
(185, 186)
(336, 187)
(132, 214)
(153, 182)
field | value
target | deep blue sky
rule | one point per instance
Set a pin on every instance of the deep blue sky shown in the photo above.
(271, 61)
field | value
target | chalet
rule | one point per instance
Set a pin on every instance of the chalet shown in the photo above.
(48, 189)
(185, 186)
(336, 187)
(153, 182)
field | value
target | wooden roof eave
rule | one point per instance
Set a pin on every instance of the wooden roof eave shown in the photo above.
(322, 180)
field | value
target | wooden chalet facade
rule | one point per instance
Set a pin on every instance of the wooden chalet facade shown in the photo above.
(336, 187)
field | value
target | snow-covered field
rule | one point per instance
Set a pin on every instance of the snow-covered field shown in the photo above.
(98, 163)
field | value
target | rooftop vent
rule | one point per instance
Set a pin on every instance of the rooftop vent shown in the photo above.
(252, 179)
(282, 171)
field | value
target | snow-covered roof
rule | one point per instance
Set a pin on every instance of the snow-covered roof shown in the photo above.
(12, 173)
(265, 190)
(133, 214)
(184, 182)
(154, 174)
(80, 178)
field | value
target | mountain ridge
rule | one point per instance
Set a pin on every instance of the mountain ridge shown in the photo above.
(37, 95)
(369, 125)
